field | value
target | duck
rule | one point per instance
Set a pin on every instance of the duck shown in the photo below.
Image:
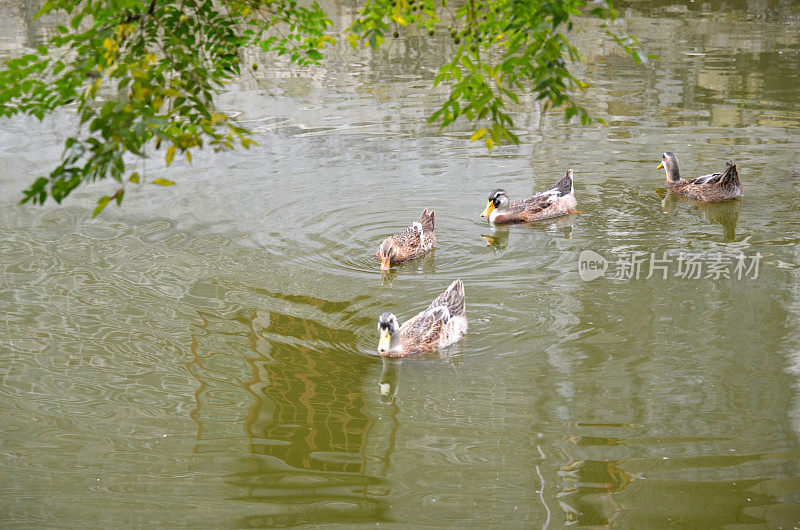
(443, 323)
(411, 242)
(716, 187)
(558, 200)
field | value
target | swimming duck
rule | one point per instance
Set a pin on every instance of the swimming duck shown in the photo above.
(558, 200)
(441, 324)
(411, 242)
(715, 187)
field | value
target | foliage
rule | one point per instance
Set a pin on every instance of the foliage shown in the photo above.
(142, 74)
(145, 73)
(504, 47)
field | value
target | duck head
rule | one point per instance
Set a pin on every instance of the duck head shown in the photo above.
(498, 200)
(387, 327)
(387, 252)
(670, 164)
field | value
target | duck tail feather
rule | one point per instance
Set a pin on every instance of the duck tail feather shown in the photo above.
(428, 220)
(564, 186)
(452, 298)
(730, 177)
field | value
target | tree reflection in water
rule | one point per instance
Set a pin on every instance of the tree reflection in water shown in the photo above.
(302, 412)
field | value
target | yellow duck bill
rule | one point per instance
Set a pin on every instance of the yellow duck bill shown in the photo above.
(489, 208)
(385, 341)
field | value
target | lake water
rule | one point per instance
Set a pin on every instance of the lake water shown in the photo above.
(205, 355)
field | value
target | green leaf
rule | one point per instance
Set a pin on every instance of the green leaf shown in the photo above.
(134, 178)
(101, 203)
(480, 133)
(163, 182)
(170, 154)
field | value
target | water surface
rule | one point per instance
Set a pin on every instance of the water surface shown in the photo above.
(205, 355)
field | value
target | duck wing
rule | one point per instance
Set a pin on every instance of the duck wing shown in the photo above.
(408, 239)
(715, 178)
(705, 179)
(424, 331)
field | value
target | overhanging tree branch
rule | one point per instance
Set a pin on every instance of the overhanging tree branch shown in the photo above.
(148, 71)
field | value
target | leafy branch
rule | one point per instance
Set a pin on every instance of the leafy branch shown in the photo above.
(142, 74)
(145, 73)
(504, 48)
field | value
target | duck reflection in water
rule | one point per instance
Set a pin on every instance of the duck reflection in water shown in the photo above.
(389, 382)
(588, 485)
(725, 214)
(498, 239)
(423, 265)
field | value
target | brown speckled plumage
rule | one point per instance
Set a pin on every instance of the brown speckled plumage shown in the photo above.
(724, 186)
(558, 200)
(441, 324)
(408, 244)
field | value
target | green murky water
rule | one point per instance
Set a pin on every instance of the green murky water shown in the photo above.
(204, 357)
